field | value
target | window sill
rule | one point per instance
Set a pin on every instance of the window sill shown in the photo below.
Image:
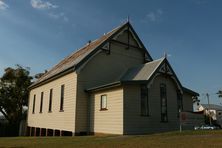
(61, 111)
(49, 111)
(103, 109)
(40, 112)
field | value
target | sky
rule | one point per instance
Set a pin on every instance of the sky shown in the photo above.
(40, 33)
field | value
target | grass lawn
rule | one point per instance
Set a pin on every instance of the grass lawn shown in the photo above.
(197, 139)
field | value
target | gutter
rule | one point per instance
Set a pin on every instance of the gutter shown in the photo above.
(56, 76)
(105, 86)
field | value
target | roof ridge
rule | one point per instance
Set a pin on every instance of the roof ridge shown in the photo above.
(118, 27)
(160, 59)
(154, 66)
(157, 60)
(151, 62)
(84, 46)
(76, 56)
(157, 66)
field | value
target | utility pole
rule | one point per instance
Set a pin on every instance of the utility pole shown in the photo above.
(208, 101)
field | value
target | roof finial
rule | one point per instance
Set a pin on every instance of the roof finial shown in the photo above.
(165, 55)
(128, 18)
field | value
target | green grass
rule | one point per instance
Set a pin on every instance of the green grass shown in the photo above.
(197, 139)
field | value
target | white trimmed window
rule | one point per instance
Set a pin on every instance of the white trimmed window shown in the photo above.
(103, 102)
(33, 105)
(144, 101)
(163, 102)
(41, 102)
(62, 98)
(50, 100)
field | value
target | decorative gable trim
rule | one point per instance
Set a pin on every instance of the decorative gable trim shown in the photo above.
(129, 30)
(106, 48)
(165, 69)
(103, 44)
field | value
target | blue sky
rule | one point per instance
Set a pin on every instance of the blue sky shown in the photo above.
(39, 33)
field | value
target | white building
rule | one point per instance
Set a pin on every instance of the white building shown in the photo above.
(111, 85)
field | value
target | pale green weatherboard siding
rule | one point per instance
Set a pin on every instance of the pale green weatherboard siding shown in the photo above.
(134, 123)
(56, 119)
(187, 102)
(102, 69)
(110, 120)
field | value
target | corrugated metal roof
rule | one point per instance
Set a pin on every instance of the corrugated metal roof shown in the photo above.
(190, 91)
(142, 72)
(212, 106)
(105, 86)
(75, 57)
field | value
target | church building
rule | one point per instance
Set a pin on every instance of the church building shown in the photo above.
(112, 85)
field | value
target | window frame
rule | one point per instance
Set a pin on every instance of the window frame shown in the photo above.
(163, 95)
(50, 100)
(41, 102)
(179, 103)
(144, 98)
(101, 103)
(62, 94)
(33, 104)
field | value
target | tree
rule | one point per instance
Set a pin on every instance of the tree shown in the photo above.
(219, 93)
(14, 93)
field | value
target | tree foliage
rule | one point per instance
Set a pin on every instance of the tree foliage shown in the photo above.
(219, 93)
(14, 92)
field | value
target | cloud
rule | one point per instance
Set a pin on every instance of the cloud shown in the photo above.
(45, 5)
(154, 15)
(3, 5)
(59, 16)
(40, 4)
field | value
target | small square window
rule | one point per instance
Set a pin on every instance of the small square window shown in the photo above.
(103, 102)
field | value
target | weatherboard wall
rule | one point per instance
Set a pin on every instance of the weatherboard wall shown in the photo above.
(101, 69)
(61, 120)
(110, 120)
(187, 102)
(134, 123)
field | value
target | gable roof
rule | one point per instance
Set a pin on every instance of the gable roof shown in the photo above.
(141, 74)
(189, 91)
(148, 70)
(78, 57)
